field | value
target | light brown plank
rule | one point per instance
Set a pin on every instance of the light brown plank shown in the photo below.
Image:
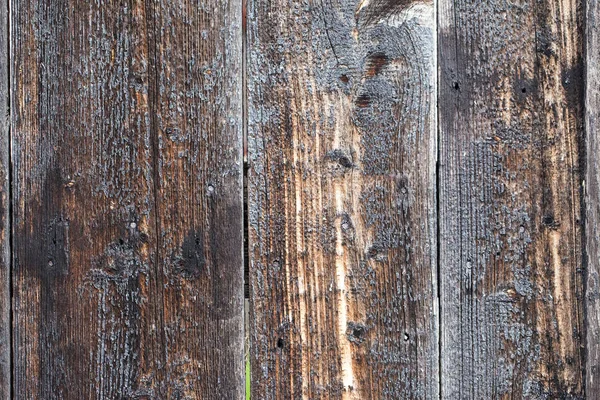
(342, 216)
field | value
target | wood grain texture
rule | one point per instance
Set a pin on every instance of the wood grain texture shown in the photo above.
(342, 153)
(127, 199)
(198, 119)
(511, 134)
(592, 191)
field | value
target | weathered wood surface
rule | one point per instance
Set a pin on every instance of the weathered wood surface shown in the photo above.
(128, 278)
(125, 131)
(198, 118)
(511, 139)
(592, 199)
(342, 150)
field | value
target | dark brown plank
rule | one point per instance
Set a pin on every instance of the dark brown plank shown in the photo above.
(83, 199)
(511, 116)
(342, 216)
(198, 120)
(128, 273)
(592, 190)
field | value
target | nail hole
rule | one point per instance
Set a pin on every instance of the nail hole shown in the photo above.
(356, 332)
(345, 162)
(549, 221)
(456, 86)
(280, 343)
(341, 157)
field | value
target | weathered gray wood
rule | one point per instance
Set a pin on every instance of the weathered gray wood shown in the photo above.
(511, 116)
(127, 199)
(592, 191)
(342, 151)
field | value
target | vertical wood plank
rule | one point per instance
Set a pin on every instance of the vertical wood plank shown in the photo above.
(197, 116)
(511, 116)
(83, 200)
(128, 273)
(342, 216)
(592, 190)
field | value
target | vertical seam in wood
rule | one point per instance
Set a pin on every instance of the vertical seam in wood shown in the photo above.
(9, 220)
(583, 150)
(437, 197)
(245, 147)
(245, 198)
(438, 264)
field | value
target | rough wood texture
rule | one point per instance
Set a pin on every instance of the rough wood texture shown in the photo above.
(511, 116)
(342, 152)
(592, 191)
(198, 118)
(127, 199)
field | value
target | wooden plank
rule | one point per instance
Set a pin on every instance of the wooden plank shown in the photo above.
(342, 215)
(127, 199)
(82, 199)
(511, 116)
(592, 191)
(198, 119)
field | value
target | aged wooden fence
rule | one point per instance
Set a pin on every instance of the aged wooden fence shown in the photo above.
(412, 186)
